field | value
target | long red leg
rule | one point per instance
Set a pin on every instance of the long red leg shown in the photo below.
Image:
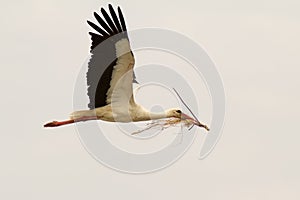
(81, 119)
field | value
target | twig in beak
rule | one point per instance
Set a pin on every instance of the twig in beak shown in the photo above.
(195, 120)
(191, 127)
(186, 105)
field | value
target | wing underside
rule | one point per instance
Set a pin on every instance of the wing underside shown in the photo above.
(111, 59)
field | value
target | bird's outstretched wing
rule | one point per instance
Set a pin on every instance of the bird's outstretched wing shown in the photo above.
(110, 67)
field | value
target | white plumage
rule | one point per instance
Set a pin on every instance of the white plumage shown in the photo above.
(110, 77)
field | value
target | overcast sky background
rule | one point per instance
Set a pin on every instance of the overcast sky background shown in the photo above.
(255, 45)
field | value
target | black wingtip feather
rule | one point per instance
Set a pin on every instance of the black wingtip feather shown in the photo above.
(115, 18)
(122, 19)
(109, 21)
(103, 59)
(97, 28)
(103, 23)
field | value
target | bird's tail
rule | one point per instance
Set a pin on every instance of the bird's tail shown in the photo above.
(82, 113)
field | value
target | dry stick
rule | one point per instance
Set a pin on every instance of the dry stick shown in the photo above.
(186, 105)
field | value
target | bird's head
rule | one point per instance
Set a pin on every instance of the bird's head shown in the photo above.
(178, 114)
(174, 113)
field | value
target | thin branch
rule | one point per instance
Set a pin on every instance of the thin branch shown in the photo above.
(186, 105)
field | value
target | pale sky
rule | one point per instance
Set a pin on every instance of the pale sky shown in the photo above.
(255, 45)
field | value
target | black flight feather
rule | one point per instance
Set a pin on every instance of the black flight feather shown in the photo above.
(103, 23)
(115, 18)
(97, 28)
(109, 21)
(122, 19)
(103, 55)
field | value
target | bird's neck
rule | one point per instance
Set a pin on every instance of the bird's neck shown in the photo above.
(160, 115)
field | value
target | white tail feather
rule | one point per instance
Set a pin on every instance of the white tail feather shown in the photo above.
(82, 113)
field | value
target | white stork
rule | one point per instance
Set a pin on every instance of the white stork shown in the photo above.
(111, 97)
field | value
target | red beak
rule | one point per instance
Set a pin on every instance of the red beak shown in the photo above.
(195, 122)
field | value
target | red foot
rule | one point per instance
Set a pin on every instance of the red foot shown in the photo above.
(82, 119)
(56, 123)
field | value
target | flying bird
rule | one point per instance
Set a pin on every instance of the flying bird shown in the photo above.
(110, 77)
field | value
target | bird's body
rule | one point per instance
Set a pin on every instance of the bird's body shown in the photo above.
(133, 114)
(110, 77)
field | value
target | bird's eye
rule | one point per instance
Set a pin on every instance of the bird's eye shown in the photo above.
(178, 111)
